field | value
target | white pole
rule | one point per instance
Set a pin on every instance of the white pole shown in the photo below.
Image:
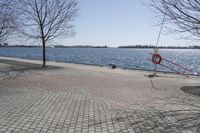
(156, 49)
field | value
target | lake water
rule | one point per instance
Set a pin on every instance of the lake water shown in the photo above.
(123, 58)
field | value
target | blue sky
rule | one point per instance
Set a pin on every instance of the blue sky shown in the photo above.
(118, 22)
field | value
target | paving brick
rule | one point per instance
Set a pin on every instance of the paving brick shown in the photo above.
(77, 100)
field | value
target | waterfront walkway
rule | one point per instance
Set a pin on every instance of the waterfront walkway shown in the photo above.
(79, 98)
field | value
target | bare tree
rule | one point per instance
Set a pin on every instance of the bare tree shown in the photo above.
(47, 19)
(7, 19)
(185, 14)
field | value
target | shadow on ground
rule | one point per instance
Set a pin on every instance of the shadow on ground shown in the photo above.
(194, 90)
(155, 121)
(26, 66)
(15, 68)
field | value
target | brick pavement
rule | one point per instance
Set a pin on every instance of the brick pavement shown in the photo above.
(77, 100)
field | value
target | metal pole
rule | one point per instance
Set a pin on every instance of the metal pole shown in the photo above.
(156, 49)
(155, 65)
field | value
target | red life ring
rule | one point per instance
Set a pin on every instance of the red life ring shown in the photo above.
(156, 58)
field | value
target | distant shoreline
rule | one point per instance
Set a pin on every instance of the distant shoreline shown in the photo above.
(57, 46)
(160, 47)
(120, 47)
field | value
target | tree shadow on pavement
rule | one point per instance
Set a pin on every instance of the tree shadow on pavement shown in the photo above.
(15, 68)
(194, 90)
(160, 121)
(16, 65)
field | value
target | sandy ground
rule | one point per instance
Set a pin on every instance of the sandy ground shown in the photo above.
(111, 100)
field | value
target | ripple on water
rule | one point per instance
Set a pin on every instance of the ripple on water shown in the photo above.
(124, 58)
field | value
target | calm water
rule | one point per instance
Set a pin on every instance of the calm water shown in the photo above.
(123, 58)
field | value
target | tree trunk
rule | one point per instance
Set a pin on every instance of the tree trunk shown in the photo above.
(44, 53)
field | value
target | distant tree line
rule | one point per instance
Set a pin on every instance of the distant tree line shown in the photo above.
(161, 47)
(80, 46)
(56, 46)
(90, 46)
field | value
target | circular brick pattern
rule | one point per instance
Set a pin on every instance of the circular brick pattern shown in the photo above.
(73, 100)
